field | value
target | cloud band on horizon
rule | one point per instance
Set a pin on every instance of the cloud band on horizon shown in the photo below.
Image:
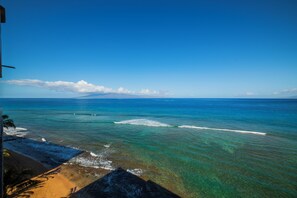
(82, 87)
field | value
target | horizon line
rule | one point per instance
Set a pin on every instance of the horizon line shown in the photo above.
(291, 98)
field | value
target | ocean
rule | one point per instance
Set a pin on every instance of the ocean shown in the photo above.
(193, 147)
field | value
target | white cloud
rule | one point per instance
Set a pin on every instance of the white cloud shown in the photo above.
(81, 86)
(248, 93)
(291, 91)
(149, 92)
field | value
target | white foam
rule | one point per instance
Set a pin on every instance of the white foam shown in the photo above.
(43, 139)
(18, 131)
(106, 145)
(93, 161)
(136, 171)
(21, 129)
(217, 129)
(93, 154)
(143, 122)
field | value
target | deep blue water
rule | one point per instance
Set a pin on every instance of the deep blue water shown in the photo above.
(194, 147)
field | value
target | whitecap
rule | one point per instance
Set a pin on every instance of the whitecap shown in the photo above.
(93, 154)
(136, 171)
(143, 122)
(106, 145)
(217, 129)
(43, 139)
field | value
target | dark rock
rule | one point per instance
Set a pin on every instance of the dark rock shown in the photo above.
(120, 183)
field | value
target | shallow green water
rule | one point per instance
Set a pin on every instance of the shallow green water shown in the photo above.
(194, 147)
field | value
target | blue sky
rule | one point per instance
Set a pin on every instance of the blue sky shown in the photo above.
(69, 48)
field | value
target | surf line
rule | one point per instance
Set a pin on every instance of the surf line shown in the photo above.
(152, 123)
(217, 129)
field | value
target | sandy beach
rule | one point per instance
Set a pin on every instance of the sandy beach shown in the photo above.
(44, 183)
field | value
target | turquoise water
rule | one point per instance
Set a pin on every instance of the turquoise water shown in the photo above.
(194, 147)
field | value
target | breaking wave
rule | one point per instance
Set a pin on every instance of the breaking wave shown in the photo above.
(18, 131)
(143, 122)
(152, 123)
(217, 129)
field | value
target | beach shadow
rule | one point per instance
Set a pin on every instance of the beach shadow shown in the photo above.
(49, 154)
(24, 189)
(122, 184)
